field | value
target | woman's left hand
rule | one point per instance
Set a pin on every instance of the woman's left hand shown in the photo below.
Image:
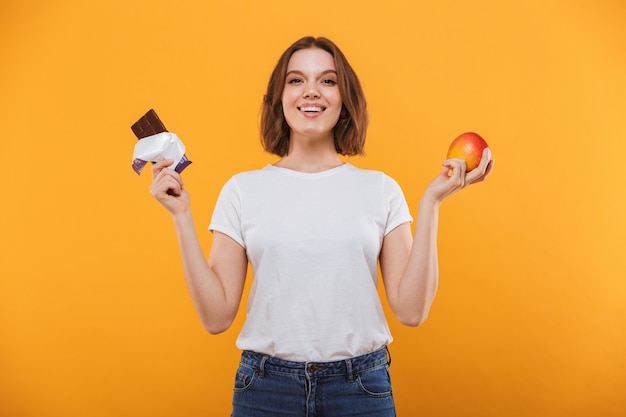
(453, 177)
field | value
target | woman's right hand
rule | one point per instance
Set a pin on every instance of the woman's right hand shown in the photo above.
(167, 188)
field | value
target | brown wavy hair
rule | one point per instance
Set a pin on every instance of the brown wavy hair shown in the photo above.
(350, 130)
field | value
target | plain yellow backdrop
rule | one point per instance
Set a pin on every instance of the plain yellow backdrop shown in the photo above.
(530, 319)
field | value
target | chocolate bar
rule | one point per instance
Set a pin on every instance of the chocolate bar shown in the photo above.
(149, 124)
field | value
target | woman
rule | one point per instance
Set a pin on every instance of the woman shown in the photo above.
(315, 230)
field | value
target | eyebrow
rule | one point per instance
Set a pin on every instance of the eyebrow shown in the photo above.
(328, 71)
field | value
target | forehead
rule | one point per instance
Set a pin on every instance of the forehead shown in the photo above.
(311, 59)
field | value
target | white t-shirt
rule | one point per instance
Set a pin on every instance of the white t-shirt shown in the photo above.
(313, 240)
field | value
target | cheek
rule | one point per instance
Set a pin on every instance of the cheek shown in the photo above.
(287, 110)
(289, 96)
(336, 99)
(338, 105)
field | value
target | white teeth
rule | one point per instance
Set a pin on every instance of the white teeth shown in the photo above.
(314, 109)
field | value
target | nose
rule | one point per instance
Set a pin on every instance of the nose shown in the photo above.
(311, 91)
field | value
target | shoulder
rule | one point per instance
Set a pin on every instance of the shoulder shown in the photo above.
(250, 174)
(374, 177)
(245, 177)
(367, 172)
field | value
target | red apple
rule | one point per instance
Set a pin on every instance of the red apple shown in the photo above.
(468, 146)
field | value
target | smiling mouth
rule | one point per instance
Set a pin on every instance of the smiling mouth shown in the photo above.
(312, 109)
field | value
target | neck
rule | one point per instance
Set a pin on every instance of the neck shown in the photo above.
(313, 155)
(309, 163)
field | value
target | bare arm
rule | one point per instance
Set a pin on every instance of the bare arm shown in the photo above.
(409, 265)
(215, 286)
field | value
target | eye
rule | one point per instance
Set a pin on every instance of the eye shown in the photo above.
(329, 82)
(294, 81)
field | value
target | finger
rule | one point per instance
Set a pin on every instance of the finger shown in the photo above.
(165, 173)
(446, 171)
(175, 183)
(489, 166)
(478, 173)
(457, 168)
(484, 160)
(159, 166)
(487, 171)
(167, 185)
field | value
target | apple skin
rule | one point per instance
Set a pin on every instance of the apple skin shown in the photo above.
(468, 146)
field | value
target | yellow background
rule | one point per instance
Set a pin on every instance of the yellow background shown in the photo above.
(530, 319)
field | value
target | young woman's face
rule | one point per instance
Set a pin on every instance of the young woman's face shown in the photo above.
(311, 100)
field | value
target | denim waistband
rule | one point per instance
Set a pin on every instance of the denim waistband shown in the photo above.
(348, 367)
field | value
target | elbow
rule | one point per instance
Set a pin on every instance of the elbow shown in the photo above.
(215, 330)
(412, 313)
(215, 321)
(215, 327)
(412, 320)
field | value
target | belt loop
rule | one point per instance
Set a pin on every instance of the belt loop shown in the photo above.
(349, 370)
(262, 366)
(388, 355)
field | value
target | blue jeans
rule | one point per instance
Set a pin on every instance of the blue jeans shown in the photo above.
(272, 387)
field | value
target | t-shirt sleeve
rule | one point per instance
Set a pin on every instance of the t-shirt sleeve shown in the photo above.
(227, 212)
(397, 207)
